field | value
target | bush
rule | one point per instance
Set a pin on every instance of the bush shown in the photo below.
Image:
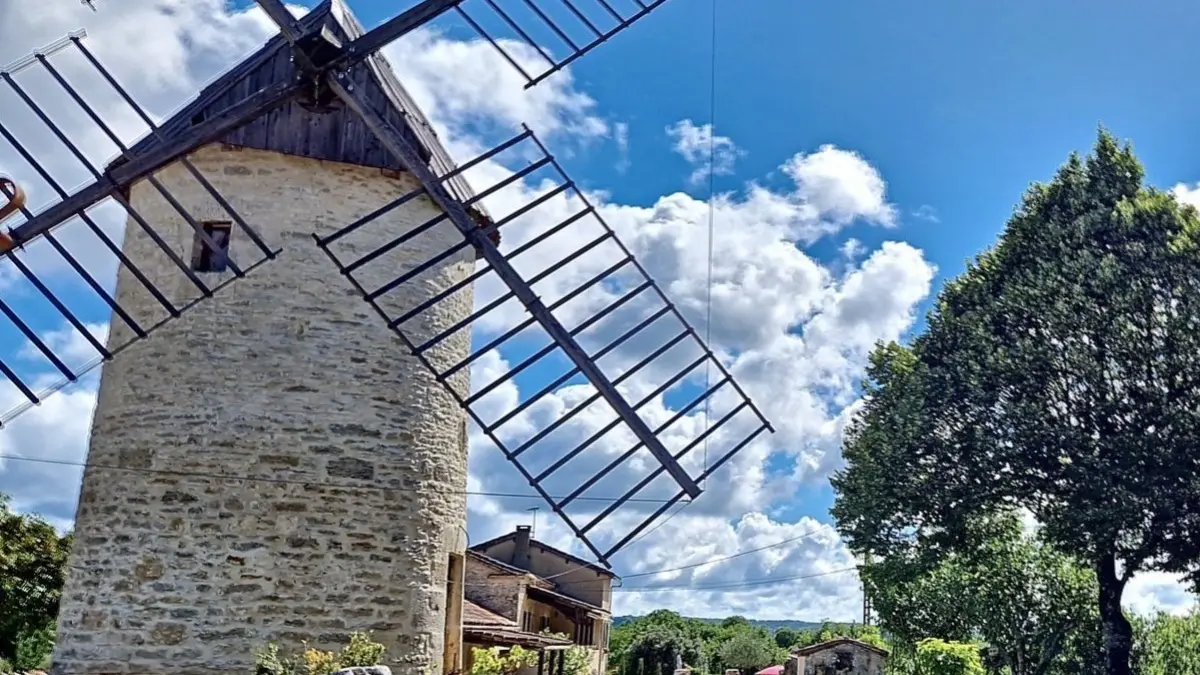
(267, 661)
(33, 650)
(360, 653)
(939, 657)
(317, 662)
(492, 662)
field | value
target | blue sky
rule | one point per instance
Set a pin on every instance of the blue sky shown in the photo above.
(958, 108)
(960, 105)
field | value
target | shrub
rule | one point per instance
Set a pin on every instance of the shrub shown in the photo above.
(492, 662)
(939, 657)
(362, 652)
(267, 661)
(317, 662)
(33, 649)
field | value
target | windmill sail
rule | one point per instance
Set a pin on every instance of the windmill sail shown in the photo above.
(191, 258)
(593, 304)
(582, 300)
(574, 26)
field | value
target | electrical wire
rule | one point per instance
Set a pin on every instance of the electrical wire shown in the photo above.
(685, 567)
(294, 481)
(739, 584)
(712, 209)
(730, 557)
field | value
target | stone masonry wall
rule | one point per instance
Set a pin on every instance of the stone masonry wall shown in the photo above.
(500, 594)
(844, 659)
(273, 465)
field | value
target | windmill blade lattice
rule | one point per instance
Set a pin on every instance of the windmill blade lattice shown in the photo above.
(577, 26)
(626, 343)
(172, 279)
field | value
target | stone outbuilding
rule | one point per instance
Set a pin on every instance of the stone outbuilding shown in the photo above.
(841, 656)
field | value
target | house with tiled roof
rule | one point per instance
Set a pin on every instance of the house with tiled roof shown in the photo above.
(536, 589)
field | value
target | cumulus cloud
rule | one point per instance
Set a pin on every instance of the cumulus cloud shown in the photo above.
(703, 150)
(793, 329)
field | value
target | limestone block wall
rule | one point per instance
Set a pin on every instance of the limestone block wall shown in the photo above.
(273, 465)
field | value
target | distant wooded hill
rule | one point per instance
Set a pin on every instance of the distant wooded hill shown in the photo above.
(770, 624)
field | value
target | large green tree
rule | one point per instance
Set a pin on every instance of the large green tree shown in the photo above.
(1032, 606)
(1060, 373)
(32, 567)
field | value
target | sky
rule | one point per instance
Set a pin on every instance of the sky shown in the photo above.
(863, 153)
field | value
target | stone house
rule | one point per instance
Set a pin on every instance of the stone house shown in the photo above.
(484, 629)
(841, 656)
(542, 589)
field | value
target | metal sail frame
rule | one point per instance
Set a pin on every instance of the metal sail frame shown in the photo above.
(321, 64)
(637, 284)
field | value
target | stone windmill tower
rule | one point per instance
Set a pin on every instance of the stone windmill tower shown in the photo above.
(285, 458)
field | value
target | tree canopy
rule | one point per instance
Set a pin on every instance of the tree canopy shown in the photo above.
(1060, 373)
(33, 561)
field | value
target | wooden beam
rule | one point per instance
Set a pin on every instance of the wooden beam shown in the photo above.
(278, 12)
(202, 134)
(380, 36)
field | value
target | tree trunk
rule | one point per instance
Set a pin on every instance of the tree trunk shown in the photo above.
(1115, 628)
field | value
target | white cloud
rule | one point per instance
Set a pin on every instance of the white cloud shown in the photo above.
(927, 212)
(621, 137)
(705, 151)
(1188, 194)
(794, 330)
(842, 184)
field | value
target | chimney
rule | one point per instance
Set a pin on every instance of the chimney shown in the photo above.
(520, 555)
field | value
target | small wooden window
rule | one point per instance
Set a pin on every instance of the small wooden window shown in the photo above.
(206, 258)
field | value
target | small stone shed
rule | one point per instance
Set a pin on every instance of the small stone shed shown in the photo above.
(841, 656)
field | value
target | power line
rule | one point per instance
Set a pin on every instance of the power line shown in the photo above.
(731, 557)
(740, 584)
(712, 209)
(294, 481)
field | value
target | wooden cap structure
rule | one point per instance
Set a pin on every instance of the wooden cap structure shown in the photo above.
(15, 202)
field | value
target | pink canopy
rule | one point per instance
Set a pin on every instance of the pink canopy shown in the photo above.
(773, 670)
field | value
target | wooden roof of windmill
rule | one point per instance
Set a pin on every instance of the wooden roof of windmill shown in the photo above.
(298, 128)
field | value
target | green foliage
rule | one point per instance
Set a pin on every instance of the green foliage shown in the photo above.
(1033, 606)
(361, 651)
(1167, 645)
(33, 560)
(747, 651)
(654, 651)
(1057, 373)
(317, 662)
(6, 666)
(577, 661)
(785, 638)
(939, 657)
(494, 661)
(33, 649)
(268, 661)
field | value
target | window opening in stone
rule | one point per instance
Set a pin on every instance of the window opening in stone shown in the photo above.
(206, 258)
(844, 660)
(527, 621)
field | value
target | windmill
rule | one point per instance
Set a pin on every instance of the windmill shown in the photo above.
(413, 243)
